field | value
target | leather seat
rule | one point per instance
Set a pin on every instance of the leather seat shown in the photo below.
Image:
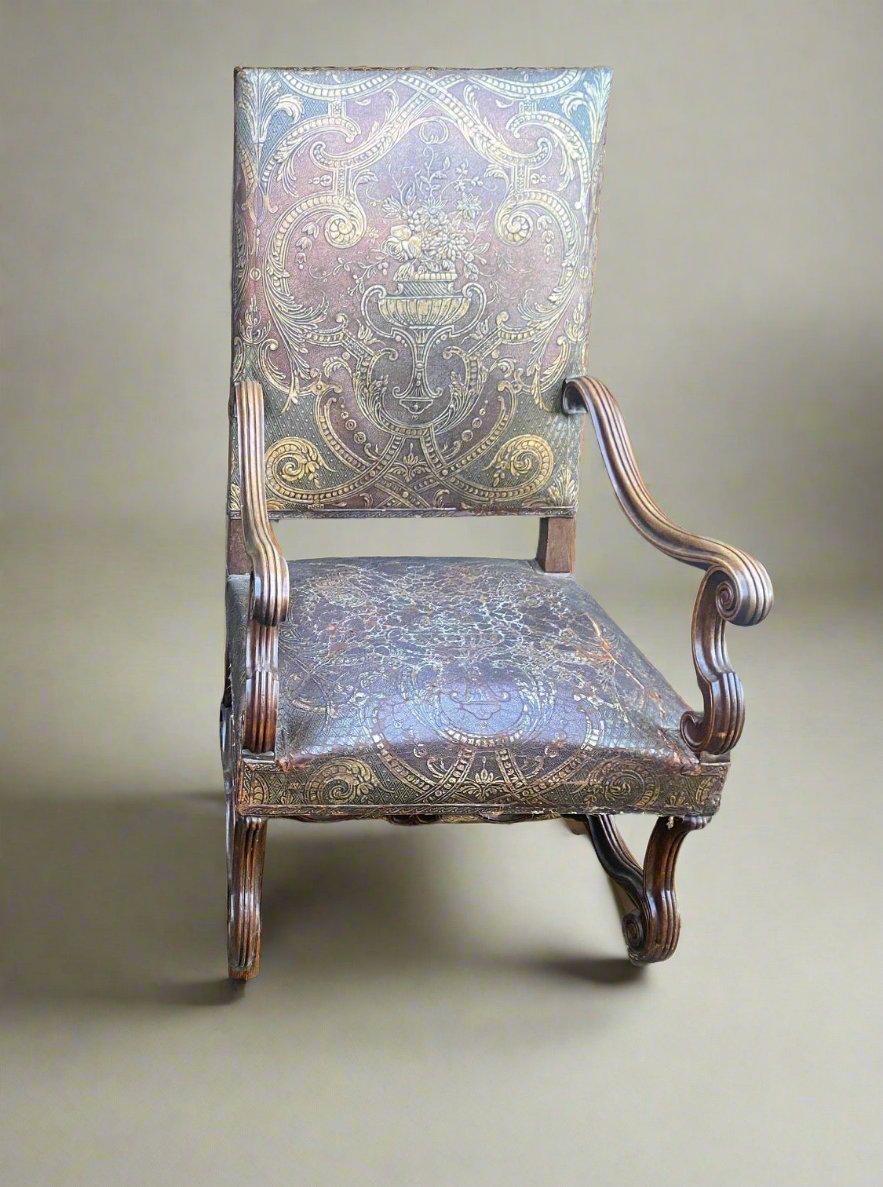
(462, 688)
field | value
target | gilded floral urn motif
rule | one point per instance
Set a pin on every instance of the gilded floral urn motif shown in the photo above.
(413, 255)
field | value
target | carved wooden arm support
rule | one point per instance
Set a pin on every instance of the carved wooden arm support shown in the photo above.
(736, 587)
(268, 597)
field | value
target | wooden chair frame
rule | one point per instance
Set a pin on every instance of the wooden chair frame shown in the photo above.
(735, 588)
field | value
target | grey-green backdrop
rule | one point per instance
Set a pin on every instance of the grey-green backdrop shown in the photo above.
(737, 315)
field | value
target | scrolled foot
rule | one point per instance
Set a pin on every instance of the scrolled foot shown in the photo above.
(246, 844)
(651, 922)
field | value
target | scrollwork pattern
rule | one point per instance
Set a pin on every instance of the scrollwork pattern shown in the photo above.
(458, 686)
(412, 274)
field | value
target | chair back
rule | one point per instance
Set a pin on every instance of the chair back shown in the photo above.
(412, 277)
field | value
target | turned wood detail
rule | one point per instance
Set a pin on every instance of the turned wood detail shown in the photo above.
(268, 592)
(652, 925)
(736, 587)
(556, 547)
(246, 844)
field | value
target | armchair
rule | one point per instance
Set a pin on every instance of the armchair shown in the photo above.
(413, 254)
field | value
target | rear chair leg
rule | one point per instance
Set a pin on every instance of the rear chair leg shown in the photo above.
(246, 844)
(651, 923)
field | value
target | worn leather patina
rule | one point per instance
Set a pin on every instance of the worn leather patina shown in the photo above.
(463, 688)
(413, 255)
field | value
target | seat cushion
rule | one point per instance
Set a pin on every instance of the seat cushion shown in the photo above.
(464, 688)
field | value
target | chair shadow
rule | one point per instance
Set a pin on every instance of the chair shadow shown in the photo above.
(594, 970)
(121, 900)
(115, 899)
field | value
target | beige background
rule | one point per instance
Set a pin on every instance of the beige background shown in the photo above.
(440, 1006)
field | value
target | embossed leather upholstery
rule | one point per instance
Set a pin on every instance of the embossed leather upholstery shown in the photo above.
(413, 255)
(462, 688)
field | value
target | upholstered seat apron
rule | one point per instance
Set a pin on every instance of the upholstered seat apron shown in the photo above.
(463, 687)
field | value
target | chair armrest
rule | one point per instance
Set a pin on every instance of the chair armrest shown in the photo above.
(268, 603)
(736, 587)
(268, 591)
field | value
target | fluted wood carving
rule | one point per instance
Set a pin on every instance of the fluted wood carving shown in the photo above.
(736, 587)
(652, 928)
(246, 844)
(268, 601)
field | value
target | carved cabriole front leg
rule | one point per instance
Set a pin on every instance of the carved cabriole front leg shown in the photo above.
(252, 548)
(246, 844)
(652, 927)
